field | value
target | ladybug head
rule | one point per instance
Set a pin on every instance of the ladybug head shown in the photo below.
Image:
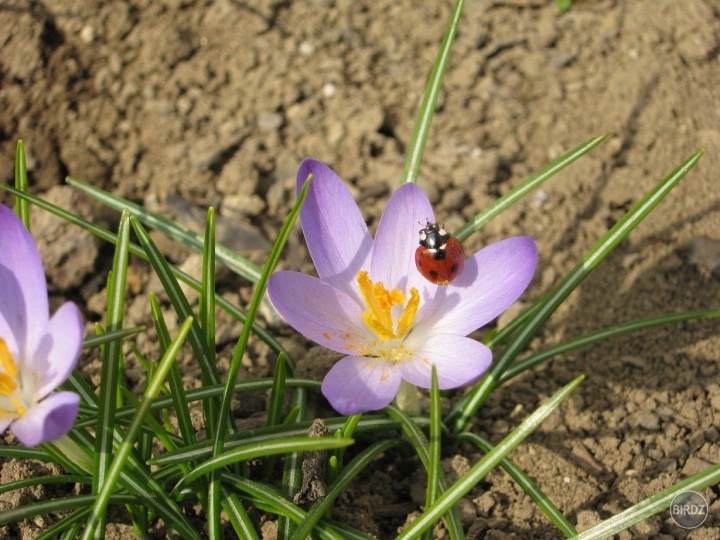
(433, 236)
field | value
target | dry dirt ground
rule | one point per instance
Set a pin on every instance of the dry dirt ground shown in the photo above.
(181, 104)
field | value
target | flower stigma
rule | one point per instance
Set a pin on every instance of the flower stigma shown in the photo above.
(10, 403)
(379, 318)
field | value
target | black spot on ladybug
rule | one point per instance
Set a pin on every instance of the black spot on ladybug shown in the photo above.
(454, 268)
(434, 274)
(419, 263)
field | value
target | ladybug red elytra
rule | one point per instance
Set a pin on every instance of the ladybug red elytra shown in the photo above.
(440, 257)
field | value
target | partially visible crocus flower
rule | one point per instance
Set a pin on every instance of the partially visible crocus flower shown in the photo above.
(371, 303)
(37, 352)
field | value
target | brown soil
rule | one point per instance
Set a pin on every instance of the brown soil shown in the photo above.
(198, 102)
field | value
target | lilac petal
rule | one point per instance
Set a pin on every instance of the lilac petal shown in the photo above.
(48, 420)
(459, 361)
(58, 350)
(357, 384)
(335, 231)
(492, 280)
(319, 311)
(23, 294)
(8, 335)
(397, 239)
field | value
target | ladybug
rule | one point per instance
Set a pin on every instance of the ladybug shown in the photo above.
(440, 257)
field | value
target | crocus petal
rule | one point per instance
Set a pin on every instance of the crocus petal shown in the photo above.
(7, 334)
(397, 239)
(48, 420)
(23, 294)
(357, 384)
(58, 350)
(319, 311)
(492, 280)
(335, 231)
(459, 361)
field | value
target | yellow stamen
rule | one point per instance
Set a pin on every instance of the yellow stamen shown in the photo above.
(6, 360)
(8, 378)
(380, 302)
(408, 315)
(383, 332)
(7, 384)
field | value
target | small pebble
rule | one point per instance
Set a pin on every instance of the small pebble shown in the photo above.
(647, 420)
(87, 34)
(306, 48)
(269, 121)
(328, 90)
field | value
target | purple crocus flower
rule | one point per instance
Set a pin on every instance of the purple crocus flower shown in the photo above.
(37, 353)
(371, 303)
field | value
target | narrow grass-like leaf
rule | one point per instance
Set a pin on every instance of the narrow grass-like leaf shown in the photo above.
(460, 416)
(651, 506)
(213, 517)
(67, 528)
(52, 506)
(497, 337)
(347, 431)
(21, 184)
(198, 394)
(518, 192)
(434, 472)
(72, 457)
(266, 448)
(274, 414)
(268, 499)
(136, 250)
(418, 440)
(139, 513)
(238, 516)
(153, 387)
(166, 440)
(603, 335)
(177, 391)
(69, 534)
(154, 428)
(172, 229)
(203, 450)
(135, 478)
(196, 337)
(150, 493)
(111, 359)
(413, 432)
(44, 480)
(292, 416)
(105, 337)
(322, 505)
(20, 452)
(478, 471)
(333, 465)
(430, 98)
(258, 294)
(292, 469)
(277, 393)
(207, 291)
(526, 483)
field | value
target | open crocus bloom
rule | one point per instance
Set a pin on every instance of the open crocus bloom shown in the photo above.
(37, 353)
(371, 303)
